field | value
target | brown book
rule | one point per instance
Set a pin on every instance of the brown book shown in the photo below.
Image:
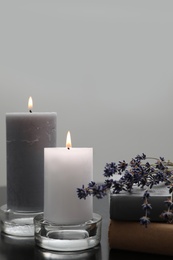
(157, 238)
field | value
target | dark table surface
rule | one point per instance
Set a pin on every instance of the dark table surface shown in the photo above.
(13, 248)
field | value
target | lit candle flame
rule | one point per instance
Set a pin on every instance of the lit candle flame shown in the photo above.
(30, 104)
(68, 140)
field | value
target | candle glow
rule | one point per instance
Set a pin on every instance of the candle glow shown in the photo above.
(68, 141)
(30, 104)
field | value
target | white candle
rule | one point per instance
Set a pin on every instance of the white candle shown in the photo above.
(66, 169)
(27, 134)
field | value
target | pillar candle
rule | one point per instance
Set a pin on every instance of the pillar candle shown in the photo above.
(26, 136)
(64, 171)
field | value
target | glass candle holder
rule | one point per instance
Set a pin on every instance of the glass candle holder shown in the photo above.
(93, 253)
(76, 237)
(17, 223)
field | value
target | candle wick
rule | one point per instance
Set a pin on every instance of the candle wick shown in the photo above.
(30, 111)
(68, 148)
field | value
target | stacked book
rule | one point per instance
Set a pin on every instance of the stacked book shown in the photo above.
(125, 230)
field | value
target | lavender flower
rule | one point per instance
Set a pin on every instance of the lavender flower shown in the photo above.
(110, 169)
(122, 166)
(82, 193)
(144, 221)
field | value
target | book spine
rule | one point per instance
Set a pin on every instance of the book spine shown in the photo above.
(128, 207)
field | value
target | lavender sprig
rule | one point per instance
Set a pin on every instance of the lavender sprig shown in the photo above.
(145, 220)
(167, 215)
(136, 172)
(94, 189)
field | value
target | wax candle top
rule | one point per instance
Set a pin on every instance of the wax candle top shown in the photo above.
(27, 134)
(65, 168)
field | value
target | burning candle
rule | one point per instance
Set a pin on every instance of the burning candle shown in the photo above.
(26, 136)
(65, 169)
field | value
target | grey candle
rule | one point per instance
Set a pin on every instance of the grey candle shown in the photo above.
(26, 136)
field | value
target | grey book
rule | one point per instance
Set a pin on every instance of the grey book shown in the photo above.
(128, 206)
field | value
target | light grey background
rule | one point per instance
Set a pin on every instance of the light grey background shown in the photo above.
(105, 67)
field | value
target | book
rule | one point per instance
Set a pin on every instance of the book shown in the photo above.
(132, 236)
(128, 206)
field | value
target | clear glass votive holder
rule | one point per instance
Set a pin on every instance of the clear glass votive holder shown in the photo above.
(76, 237)
(90, 254)
(17, 223)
